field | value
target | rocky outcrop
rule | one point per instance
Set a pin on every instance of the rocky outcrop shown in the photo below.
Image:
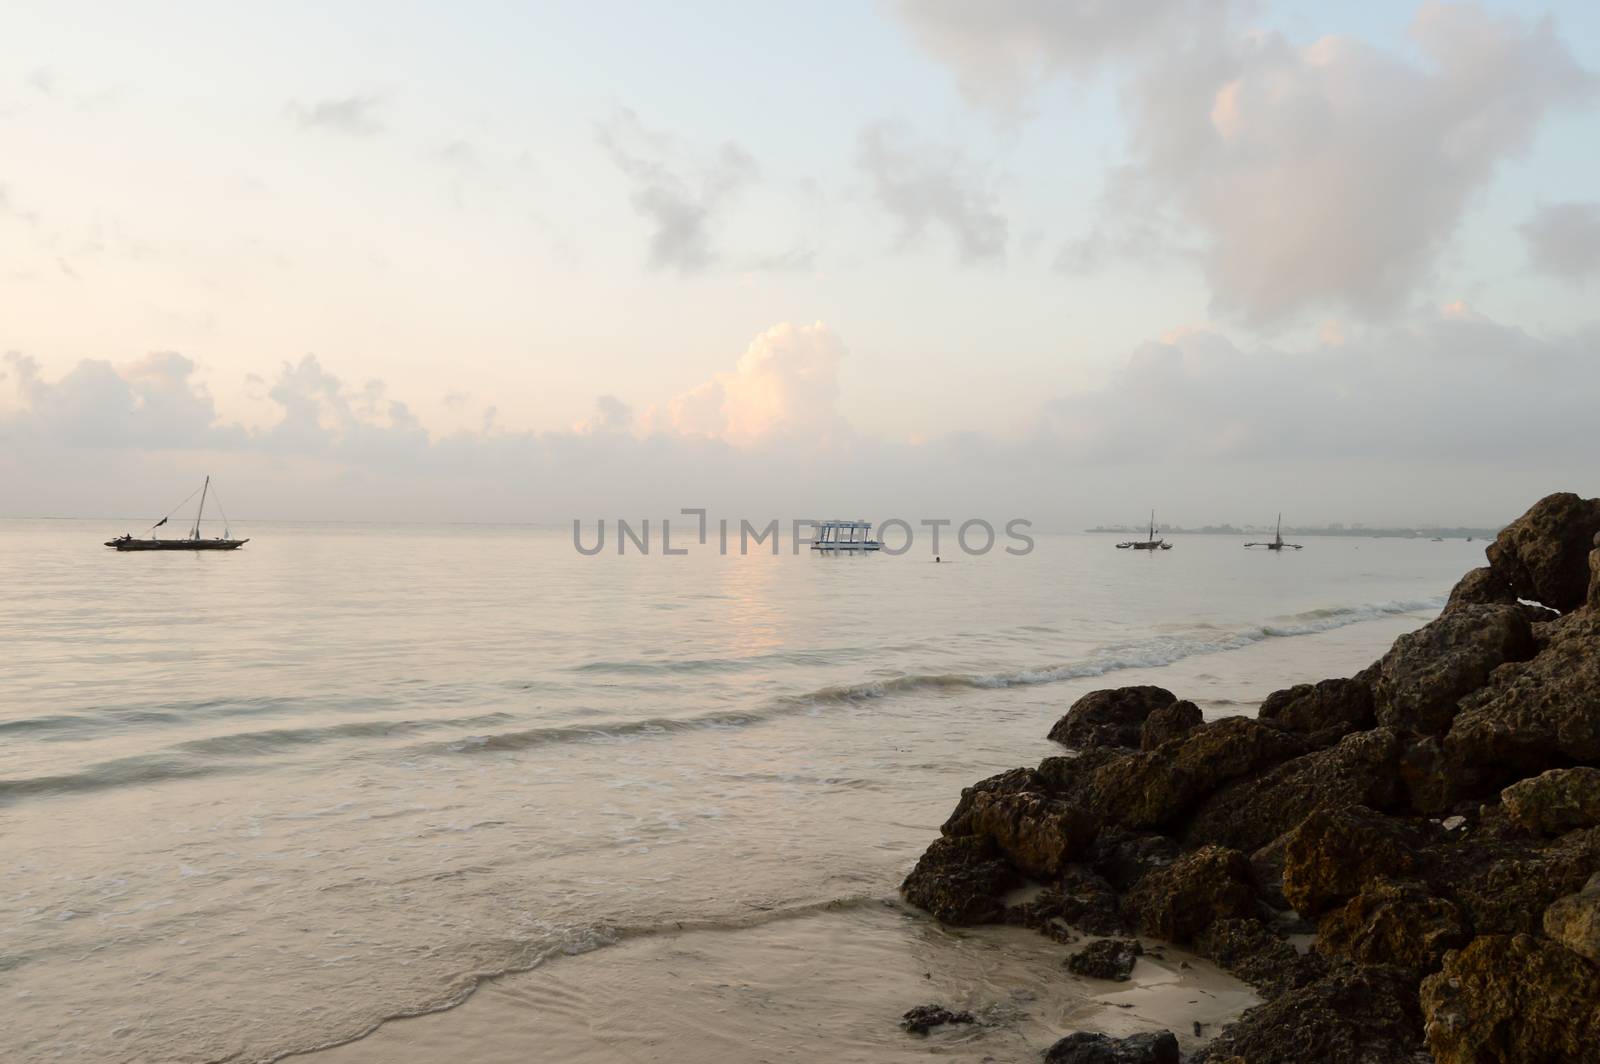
(1170, 722)
(1087, 1047)
(1435, 819)
(1112, 717)
(1355, 1014)
(1557, 801)
(1574, 920)
(1514, 999)
(1106, 958)
(1544, 554)
(1396, 923)
(1427, 672)
(1332, 706)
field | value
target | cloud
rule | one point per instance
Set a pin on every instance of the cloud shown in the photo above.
(924, 185)
(678, 191)
(1450, 416)
(785, 385)
(355, 116)
(1000, 49)
(1333, 175)
(1564, 239)
(1299, 179)
(151, 403)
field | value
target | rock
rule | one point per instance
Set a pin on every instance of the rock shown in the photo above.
(1153, 788)
(1427, 672)
(1122, 858)
(1310, 708)
(1594, 574)
(1556, 801)
(1182, 899)
(1086, 1047)
(1037, 832)
(1110, 717)
(1362, 769)
(1251, 951)
(1079, 899)
(1266, 870)
(1503, 880)
(1107, 958)
(925, 1018)
(1335, 853)
(1432, 782)
(1398, 923)
(1543, 555)
(959, 879)
(1172, 721)
(1574, 920)
(1481, 587)
(1514, 999)
(1355, 1014)
(1538, 715)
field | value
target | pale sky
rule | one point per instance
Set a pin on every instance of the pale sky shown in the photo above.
(1056, 259)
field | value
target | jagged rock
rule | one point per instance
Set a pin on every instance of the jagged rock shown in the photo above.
(959, 879)
(1594, 574)
(1432, 782)
(1481, 587)
(1107, 958)
(1427, 672)
(1111, 717)
(925, 1018)
(1068, 774)
(1398, 923)
(1543, 555)
(1251, 951)
(1514, 999)
(1266, 870)
(1182, 899)
(1037, 832)
(1087, 1047)
(1335, 853)
(1020, 812)
(1153, 788)
(1574, 920)
(1079, 899)
(1537, 715)
(1311, 708)
(1503, 880)
(1556, 801)
(1169, 722)
(1249, 813)
(1123, 858)
(1356, 1014)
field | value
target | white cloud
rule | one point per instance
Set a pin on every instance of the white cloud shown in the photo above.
(785, 384)
(355, 116)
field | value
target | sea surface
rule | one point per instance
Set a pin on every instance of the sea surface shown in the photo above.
(257, 803)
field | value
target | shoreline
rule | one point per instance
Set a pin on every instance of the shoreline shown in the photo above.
(1253, 665)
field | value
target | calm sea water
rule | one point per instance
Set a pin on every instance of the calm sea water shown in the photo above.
(255, 803)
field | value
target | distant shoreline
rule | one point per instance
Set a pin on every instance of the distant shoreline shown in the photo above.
(1358, 532)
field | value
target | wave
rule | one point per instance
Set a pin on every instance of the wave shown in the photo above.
(576, 942)
(1144, 654)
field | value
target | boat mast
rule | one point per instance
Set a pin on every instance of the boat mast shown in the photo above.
(196, 533)
(1152, 526)
(1278, 536)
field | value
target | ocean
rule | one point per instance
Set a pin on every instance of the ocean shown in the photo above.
(256, 803)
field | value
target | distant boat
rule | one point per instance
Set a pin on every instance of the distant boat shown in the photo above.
(1277, 540)
(190, 542)
(845, 536)
(1146, 544)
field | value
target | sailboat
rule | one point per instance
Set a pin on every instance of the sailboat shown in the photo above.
(1277, 540)
(190, 542)
(1147, 544)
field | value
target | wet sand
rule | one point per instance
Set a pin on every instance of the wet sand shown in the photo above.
(822, 985)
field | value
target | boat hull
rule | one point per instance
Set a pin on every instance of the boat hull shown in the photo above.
(177, 544)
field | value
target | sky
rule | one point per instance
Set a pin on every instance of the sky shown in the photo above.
(1058, 259)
